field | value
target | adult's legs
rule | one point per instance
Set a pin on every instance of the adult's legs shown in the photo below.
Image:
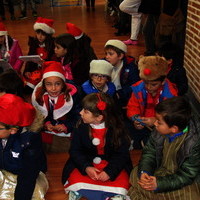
(149, 33)
(23, 8)
(11, 9)
(131, 7)
(33, 7)
(2, 10)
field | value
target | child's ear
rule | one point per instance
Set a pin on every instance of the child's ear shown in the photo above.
(100, 118)
(13, 130)
(175, 129)
(169, 61)
(121, 56)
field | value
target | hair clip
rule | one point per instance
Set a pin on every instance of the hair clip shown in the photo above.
(101, 105)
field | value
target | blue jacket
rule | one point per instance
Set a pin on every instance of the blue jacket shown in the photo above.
(88, 88)
(129, 75)
(23, 155)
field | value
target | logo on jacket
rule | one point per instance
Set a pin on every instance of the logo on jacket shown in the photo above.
(15, 155)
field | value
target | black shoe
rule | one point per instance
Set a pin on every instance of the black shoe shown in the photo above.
(12, 17)
(34, 14)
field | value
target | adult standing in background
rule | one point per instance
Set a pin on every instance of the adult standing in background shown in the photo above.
(10, 7)
(131, 7)
(23, 6)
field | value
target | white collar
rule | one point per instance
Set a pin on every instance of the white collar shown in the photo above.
(98, 126)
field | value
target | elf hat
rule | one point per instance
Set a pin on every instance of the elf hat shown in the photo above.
(118, 44)
(101, 67)
(53, 68)
(15, 111)
(44, 24)
(152, 67)
(74, 30)
(3, 30)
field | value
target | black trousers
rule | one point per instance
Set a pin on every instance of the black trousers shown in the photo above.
(10, 7)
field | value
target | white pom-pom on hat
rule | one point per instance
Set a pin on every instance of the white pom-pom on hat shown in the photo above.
(97, 160)
(96, 141)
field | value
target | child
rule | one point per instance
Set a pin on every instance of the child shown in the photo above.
(53, 97)
(177, 73)
(100, 75)
(22, 159)
(99, 161)
(146, 94)
(65, 47)
(43, 45)
(125, 71)
(85, 53)
(10, 82)
(10, 49)
(169, 166)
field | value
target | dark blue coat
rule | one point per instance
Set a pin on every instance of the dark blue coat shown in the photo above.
(23, 155)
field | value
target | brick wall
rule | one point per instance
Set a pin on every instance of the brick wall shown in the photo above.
(192, 47)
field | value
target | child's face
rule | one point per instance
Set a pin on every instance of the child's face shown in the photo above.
(4, 133)
(89, 118)
(2, 39)
(153, 86)
(99, 80)
(41, 37)
(53, 85)
(112, 57)
(59, 50)
(161, 126)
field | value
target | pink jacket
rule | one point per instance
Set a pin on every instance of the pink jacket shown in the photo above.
(15, 52)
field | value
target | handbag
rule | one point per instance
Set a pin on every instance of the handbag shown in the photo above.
(167, 24)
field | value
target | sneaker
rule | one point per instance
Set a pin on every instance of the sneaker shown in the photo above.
(22, 17)
(73, 195)
(117, 197)
(130, 42)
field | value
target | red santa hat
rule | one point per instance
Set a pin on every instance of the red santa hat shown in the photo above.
(74, 30)
(53, 68)
(3, 30)
(15, 111)
(44, 24)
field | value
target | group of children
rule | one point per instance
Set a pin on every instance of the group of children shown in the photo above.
(101, 105)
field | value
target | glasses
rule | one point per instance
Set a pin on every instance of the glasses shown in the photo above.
(100, 76)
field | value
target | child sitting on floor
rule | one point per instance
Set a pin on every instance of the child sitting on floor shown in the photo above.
(125, 71)
(146, 94)
(169, 166)
(100, 75)
(99, 162)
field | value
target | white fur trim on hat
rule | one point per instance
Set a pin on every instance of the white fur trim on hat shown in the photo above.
(47, 29)
(97, 160)
(100, 67)
(3, 33)
(96, 141)
(52, 73)
(79, 36)
(117, 43)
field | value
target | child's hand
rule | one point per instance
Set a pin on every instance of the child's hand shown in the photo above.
(27, 74)
(49, 127)
(60, 128)
(147, 182)
(149, 121)
(92, 172)
(103, 176)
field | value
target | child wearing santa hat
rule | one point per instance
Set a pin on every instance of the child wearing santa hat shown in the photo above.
(22, 159)
(56, 99)
(43, 45)
(146, 94)
(85, 53)
(100, 78)
(10, 49)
